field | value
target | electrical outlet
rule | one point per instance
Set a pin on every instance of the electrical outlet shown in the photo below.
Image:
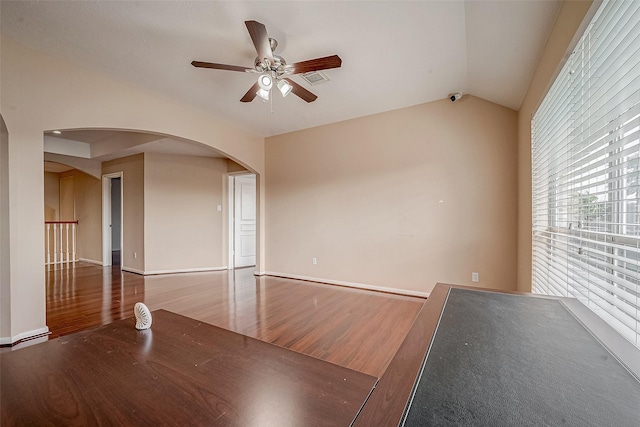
(314, 260)
(135, 255)
(475, 277)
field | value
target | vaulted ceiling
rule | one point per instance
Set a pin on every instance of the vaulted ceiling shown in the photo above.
(395, 54)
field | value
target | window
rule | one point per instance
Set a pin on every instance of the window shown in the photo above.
(586, 173)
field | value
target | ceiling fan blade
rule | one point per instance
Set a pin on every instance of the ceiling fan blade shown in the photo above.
(317, 64)
(301, 92)
(258, 33)
(251, 93)
(201, 64)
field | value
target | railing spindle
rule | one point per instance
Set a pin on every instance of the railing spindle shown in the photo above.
(48, 243)
(55, 243)
(67, 241)
(61, 253)
(74, 243)
(65, 250)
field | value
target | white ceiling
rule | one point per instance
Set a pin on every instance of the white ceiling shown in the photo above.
(395, 54)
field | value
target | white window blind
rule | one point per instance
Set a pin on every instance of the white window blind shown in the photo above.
(586, 173)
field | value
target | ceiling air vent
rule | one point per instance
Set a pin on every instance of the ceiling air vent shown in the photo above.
(315, 77)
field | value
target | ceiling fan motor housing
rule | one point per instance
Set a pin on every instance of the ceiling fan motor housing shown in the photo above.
(278, 65)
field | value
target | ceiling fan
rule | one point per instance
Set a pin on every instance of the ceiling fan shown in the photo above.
(273, 68)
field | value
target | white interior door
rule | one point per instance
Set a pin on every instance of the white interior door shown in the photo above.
(245, 221)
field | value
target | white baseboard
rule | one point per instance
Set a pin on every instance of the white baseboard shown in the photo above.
(185, 270)
(24, 335)
(406, 292)
(180, 270)
(131, 270)
(90, 261)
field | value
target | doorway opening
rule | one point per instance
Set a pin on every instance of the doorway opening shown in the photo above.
(242, 223)
(112, 208)
(116, 220)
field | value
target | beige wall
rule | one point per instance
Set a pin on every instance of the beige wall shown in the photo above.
(26, 237)
(88, 211)
(183, 228)
(51, 196)
(40, 93)
(569, 27)
(67, 198)
(398, 200)
(133, 209)
(174, 238)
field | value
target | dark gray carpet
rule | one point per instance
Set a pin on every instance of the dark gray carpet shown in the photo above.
(507, 360)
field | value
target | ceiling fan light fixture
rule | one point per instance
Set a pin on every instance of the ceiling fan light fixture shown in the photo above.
(285, 87)
(262, 93)
(265, 82)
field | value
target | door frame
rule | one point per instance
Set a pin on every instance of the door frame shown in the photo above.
(231, 222)
(106, 217)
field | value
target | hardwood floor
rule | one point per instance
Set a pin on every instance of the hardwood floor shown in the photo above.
(181, 372)
(357, 329)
